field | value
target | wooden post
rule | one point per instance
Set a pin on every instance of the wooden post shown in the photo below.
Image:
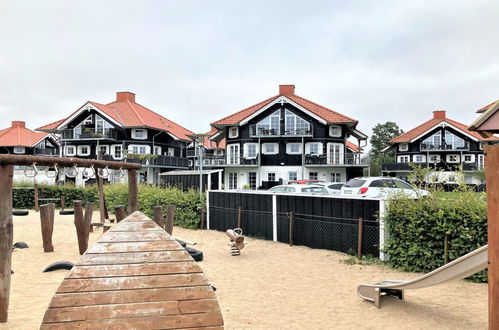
(201, 225)
(89, 210)
(170, 217)
(106, 213)
(239, 217)
(119, 212)
(492, 179)
(100, 187)
(291, 227)
(47, 224)
(359, 238)
(6, 238)
(158, 215)
(63, 201)
(132, 191)
(37, 205)
(81, 227)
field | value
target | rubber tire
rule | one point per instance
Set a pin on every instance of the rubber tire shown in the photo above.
(182, 243)
(66, 212)
(20, 212)
(59, 265)
(195, 254)
(20, 245)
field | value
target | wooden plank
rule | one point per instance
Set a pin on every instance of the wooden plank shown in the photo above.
(136, 226)
(47, 225)
(142, 310)
(133, 257)
(131, 282)
(158, 322)
(135, 269)
(6, 238)
(135, 247)
(133, 191)
(131, 296)
(135, 236)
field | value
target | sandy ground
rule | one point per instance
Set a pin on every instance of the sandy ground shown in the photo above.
(269, 286)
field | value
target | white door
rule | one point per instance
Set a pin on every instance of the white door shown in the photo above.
(233, 154)
(335, 153)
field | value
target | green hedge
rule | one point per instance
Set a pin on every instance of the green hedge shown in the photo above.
(188, 203)
(417, 230)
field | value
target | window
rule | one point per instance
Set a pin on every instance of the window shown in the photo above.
(292, 176)
(434, 159)
(480, 162)
(453, 142)
(403, 159)
(480, 145)
(117, 152)
(252, 180)
(335, 131)
(84, 150)
(233, 154)
(101, 126)
(233, 132)
(157, 150)
(403, 146)
(250, 150)
(87, 121)
(271, 176)
(139, 134)
(232, 180)
(270, 148)
(419, 158)
(452, 158)
(171, 152)
(294, 125)
(335, 153)
(104, 150)
(293, 148)
(269, 125)
(313, 176)
(314, 148)
(19, 150)
(433, 142)
(335, 177)
(469, 158)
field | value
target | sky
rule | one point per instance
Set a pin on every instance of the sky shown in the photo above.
(195, 62)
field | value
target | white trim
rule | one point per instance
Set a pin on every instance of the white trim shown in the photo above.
(66, 150)
(171, 135)
(415, 158)
(85, 107)
(381, 216)
(80, 147)
(112, 151)
(399, 158)
(433, 161)
(233, 136)
(472, 158)
(147, 149)
(288, 148)
(335, 126)
(320, 148)
(404, 144)
(134, 133)
(439, 125)
(276, 148)
(447, 157)
(246, 147)
(104, 145)
(19, 152)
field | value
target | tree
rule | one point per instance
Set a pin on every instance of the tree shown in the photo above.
(382, 134)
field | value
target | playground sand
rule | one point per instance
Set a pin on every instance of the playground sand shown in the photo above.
(269, 286)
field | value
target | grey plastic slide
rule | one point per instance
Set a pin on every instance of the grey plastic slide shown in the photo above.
(465, 266)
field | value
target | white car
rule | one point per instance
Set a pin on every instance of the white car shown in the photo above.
(380, 187)
(333, 188)
(299, 189)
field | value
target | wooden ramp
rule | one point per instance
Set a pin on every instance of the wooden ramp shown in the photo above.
(136, 276)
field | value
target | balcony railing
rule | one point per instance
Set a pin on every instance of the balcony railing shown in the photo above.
(89, 133)
(406, 167)
(240, 160)
(167, 161)
(444, 146)
(275, 132)
(335, 159)
(45, 152)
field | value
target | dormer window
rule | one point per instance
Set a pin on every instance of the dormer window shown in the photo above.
(403, 147)
(335, 131)
(233, 132)
(139, 134)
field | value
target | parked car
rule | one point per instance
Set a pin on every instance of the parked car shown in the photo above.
(304, 181)
(333, 188)
(299, 189)
(377, 187)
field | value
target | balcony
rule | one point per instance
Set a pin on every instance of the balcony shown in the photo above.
(444, 147)
(239, 160)
(406, 167)
(159, 161)
(89, 133)
(45, 152)
(341, 159)
(262, 132)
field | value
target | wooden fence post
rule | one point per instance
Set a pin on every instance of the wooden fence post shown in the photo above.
(132, 191)
(89, 210)
(63, 202)
(6, 238)
(201, 225)
(119, 212)
(239, 209)
(37, 205)
(359, 238)
(291, 227)
(170, 217)
(100, 187)
(47, 225)
(81, 227)
(158, 216)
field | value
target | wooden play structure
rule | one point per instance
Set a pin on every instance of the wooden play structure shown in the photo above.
(135, 276)
(236, 240)
(7, 163)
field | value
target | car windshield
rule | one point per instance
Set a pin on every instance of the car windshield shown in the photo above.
(277, 189)
(336, 186)
(403, 185)
(355, 183)
(313, 189)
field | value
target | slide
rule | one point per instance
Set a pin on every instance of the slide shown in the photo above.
(458, 269)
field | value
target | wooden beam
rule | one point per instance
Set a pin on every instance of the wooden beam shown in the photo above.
(47, 223)
(133, 191)
(170, 218)
(87, 218)
(6, 238)
(36, 193)
(100, 188)
(28, 160)
(119, 212)
(492, 179)
(158, 215)
(81, 227)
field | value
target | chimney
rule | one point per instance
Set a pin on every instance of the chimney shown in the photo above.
(125, 96)
(18, 124)
(439, 114)
(286, 89)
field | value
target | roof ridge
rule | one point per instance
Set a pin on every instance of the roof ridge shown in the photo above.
(323, 107)
(136, 112)
(164, 118)
(415, 128)
(114, 109)
(270, 99)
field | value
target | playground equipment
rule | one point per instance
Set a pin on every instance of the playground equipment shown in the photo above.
(460, 268)
(236, 240)
(7, 163)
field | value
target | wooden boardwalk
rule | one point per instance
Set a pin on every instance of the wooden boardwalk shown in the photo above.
(136, 276)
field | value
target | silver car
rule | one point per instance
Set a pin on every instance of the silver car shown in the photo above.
(299, 189)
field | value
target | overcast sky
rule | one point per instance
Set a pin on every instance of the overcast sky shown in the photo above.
(197, 61)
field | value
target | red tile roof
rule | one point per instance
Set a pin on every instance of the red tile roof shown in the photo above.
(352, 146)
(210, 144)
(131, 114)
(426, 126)
(485, 108)
(324, 113)
(19, 136)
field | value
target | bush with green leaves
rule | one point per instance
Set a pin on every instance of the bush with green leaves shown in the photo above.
(417, 230)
